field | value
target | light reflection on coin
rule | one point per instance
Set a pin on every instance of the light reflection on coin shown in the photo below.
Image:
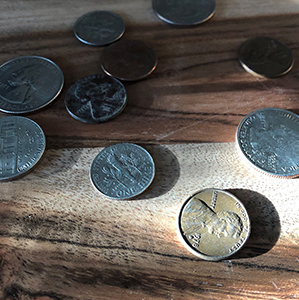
(265, 57)
(122, 171)
(99, 28)
(213, 224)
(28, 83)
(268, 139)
(184, 13)
(22, 144)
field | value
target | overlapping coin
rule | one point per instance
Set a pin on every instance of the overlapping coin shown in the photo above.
(184, 13)
(22, 144)
(122, 171)
(28, 83)
(96, 99)
(265, 57)
(99, 28)
(268, 139)
(213, 224)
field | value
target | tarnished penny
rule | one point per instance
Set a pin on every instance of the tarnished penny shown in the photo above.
(96, 99)
(268, 139)
(213, 224)
(122, 171)
(28, 83)
(99, 28)
(22, 144)
(184, 13)
(128, 60)
(265, 57)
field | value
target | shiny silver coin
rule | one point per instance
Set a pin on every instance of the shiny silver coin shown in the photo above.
(28, 83)
(99, 28)
(184, 13)
(122, 171)
(268, 139)
(22, 144)
(265, 57)
(96, 99)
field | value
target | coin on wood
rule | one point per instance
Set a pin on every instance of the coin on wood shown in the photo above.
(213, 224)
(122, 171)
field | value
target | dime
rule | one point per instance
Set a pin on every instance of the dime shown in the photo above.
(28, 83)
(96, 99)
(265, 57)
(99, 28)
(213, 224)
(268, 139)
(184, 13)
(122, 171)
(22, 144)
(128, 60)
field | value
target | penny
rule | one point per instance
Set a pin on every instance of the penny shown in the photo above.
(28, 83)
(268, 139)
(22, 144)
(96, 99)
(99, 28)
(213, 224)
(265, 57)
(128, 60)
(184, 13)
(122, 171)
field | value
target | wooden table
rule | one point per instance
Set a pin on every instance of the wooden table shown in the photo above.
(61, 239)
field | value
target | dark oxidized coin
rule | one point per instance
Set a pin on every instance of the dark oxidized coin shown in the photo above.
(99, 28)
(128, 60)
(265, 57)
(96, 99)
(184, 13)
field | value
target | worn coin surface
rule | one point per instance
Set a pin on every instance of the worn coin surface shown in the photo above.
(184, 13)
(28, 83)
(213, 224)
(122, 171)
(128, 60)
(22, 144)
(96, 99)
(265, 57)
(268, 139)
(99, 28)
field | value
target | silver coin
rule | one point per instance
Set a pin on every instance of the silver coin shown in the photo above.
(184, 13)
(96, 99)
(22, 144)
(99, 28)
(122, 171)
(28, 83)
(268, 139)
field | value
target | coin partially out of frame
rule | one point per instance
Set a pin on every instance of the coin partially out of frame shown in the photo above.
(184, 13)
(268, 139)
(22, 144)
(265, 57)
(99, 28)
(28, 83)
(96, 99)
(213, 224)
(128, 60)
(122, 171)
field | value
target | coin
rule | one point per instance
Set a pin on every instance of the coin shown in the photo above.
(184, 13)
(22, 144)
(268, 139)
(128, 60)
(28, 83)
(96, 99)
(265, 57)
(99, 28)
(213, 224)
(122, 171)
